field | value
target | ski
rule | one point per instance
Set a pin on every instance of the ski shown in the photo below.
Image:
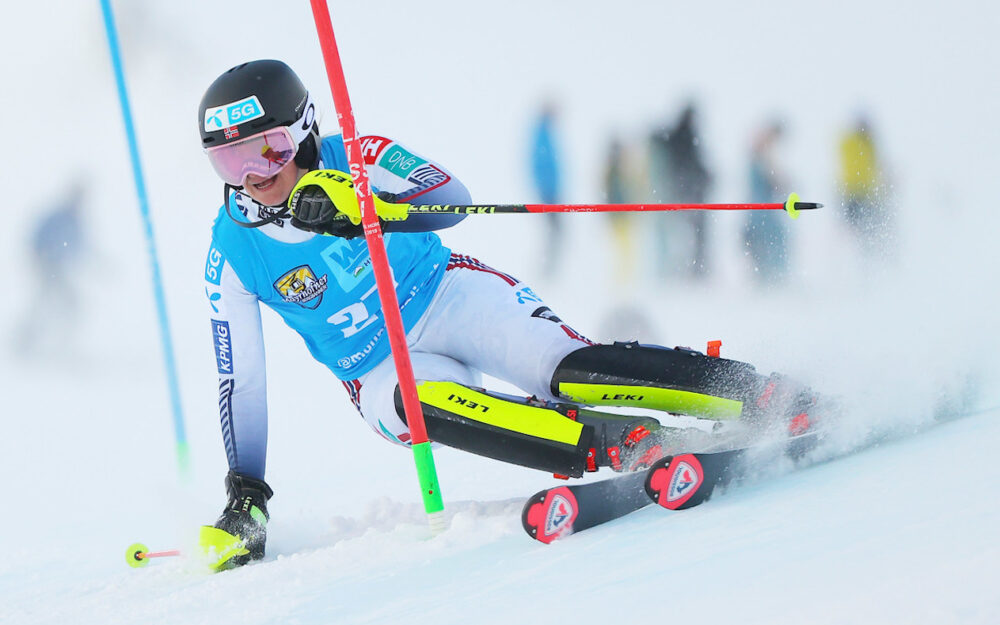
(686, 480)
(558, 512)
(676, 482)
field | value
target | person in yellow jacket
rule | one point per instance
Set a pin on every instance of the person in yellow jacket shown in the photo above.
(863, 186)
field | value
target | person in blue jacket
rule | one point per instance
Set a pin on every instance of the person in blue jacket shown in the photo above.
(288, 235)
(765, 234)
(546, 176)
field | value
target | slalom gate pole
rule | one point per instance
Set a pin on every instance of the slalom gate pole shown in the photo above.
(792, 206)
(140, 187)
(424, 459)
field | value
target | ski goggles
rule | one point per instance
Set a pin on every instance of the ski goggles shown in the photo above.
(263, 154)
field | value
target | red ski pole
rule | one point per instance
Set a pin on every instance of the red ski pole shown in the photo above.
(792, 206)
(138, 555)
(426, 473)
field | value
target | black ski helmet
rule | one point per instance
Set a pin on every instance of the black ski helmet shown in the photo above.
(275, 97)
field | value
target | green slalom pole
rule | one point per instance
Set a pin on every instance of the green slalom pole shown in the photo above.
(429, 487)
(422, 456)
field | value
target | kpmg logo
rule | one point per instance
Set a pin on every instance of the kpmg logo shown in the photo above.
(233, 114)
(223, 346)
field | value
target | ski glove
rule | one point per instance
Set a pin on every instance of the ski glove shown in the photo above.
(241, 532)
(324, 201)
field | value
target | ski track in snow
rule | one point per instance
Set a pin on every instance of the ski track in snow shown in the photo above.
(902, 531)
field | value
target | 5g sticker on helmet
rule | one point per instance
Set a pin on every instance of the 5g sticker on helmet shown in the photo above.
(233, 114)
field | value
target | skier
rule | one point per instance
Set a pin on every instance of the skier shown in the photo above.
(288, 235)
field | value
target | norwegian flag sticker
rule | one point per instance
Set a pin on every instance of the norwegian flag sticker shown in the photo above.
(232, 132)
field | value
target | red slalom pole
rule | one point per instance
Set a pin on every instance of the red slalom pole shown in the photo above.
(426, 472)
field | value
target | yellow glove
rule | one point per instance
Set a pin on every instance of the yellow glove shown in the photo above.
(324, 201)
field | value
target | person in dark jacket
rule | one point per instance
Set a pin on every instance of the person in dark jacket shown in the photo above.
(684, 178)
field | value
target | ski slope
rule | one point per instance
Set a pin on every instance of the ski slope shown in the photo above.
(902, 532)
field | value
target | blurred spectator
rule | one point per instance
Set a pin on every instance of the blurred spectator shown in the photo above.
(546, 176)
(617, 190)
(863, 185)
(765, 233)
(679, 175)
(622, 179)
(57, 246)
(615, 179)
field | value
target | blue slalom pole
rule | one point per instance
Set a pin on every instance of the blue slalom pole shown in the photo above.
(140, 187)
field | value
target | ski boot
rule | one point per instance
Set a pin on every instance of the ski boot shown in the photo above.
(627, 443)
(783, 403)
(622, 443)
(239, 534)
(789, 410)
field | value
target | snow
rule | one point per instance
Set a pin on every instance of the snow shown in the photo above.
(902, 532)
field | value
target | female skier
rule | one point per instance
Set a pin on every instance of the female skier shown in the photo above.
(288, 235)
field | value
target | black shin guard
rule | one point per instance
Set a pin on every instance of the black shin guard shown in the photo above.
(674, 380)
(508, 429)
